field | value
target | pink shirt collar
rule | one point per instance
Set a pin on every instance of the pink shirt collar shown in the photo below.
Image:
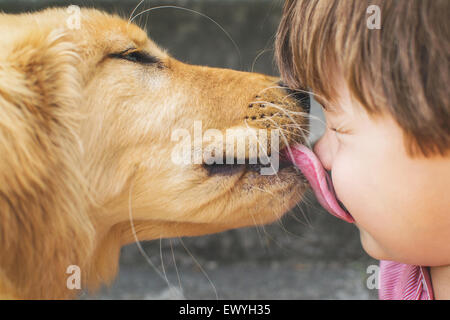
(404, 282)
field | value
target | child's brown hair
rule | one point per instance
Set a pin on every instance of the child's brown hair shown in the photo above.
(401, 69)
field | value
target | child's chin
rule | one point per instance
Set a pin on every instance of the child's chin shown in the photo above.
(371, 246)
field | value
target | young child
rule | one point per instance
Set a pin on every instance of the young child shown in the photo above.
(387, 145)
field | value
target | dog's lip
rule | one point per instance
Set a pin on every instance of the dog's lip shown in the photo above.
(224, 169)
(248, 166)
(319, 180)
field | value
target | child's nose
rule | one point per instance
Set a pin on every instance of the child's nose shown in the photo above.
(323, 151)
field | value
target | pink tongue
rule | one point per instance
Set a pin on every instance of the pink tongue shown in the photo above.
(319, 180)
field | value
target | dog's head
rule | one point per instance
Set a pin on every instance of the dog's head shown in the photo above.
(93, 121)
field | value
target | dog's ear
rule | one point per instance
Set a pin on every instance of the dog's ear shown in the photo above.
(44, 225)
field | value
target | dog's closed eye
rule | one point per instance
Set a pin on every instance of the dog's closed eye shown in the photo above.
(136, 56)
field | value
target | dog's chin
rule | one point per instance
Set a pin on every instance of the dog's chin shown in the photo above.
(274, 195)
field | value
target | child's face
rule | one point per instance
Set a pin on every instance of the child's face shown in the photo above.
(400, 204)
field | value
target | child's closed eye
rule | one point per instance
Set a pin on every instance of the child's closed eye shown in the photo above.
(339, 130)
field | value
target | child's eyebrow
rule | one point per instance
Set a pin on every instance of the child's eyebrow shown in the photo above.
(320, 101)
(325, 105)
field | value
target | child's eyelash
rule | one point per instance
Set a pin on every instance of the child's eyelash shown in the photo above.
(340, 131)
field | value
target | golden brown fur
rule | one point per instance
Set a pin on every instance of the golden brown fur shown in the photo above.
(85, 145)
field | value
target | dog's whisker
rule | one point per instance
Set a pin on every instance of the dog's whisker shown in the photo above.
(292, 125)
(138, 243)
(257, 57)
(134, 10)
(311, 93)
(262, 225)
(145, 25)
(265, 153)
(308, 203)
(294, 216)
(288, 148)
(311, 117)
(265, 232)
(299, 113)
(200, 267)
(288, 125)
(201, 14)
(290, 132)
(257, 226)
(277, 126)
(286, 143)
(289, 233)
(286, 111)
(268, 88)
(306, 221)
(289, 112)
(294, 93)
(171, 287)
(176, 268)
(305, 216)
(266, 191)
(272, 239)
(295, 122)
(282, 127)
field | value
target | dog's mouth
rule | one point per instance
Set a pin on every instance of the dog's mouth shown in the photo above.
(250, 166)
(310, 167)
(238, 166)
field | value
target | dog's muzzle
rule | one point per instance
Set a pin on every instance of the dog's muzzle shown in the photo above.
(302, 97)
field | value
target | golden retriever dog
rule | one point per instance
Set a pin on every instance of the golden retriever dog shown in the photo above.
(86, 117)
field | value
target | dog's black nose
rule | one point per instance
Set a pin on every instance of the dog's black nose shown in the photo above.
(302, 97)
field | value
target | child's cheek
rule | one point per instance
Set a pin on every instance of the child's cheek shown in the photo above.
(354, 185)
(346, 184)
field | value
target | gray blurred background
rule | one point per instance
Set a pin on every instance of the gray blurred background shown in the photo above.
(307, 255)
